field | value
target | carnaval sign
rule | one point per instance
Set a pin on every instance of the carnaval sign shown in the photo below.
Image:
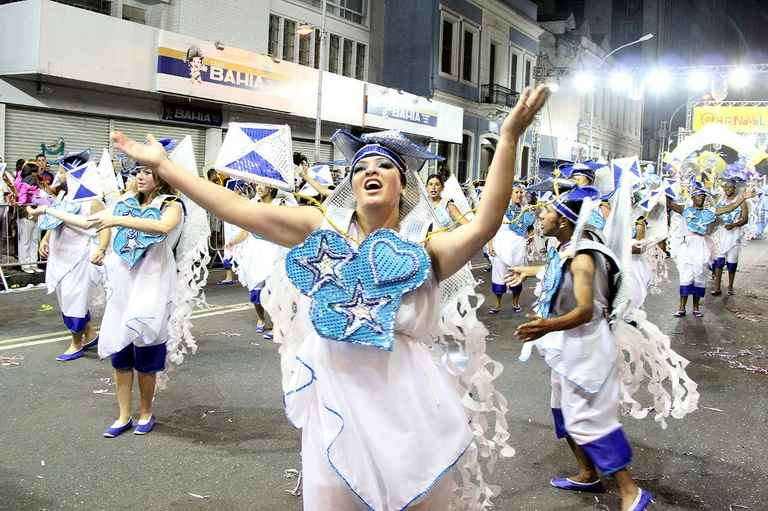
(740, 119)
(196, 68)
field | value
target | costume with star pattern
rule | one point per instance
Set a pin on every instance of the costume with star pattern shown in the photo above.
(141, 280)
(694, 251)
(366, 372)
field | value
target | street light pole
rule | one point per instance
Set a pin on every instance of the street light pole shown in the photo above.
(592, 105)
(321, 64)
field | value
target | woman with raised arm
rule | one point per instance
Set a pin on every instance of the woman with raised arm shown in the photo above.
(382, 420)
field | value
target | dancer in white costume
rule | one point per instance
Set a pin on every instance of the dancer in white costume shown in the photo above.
(445, 210)
(74, 255)
(255, 258)
(510, 248)
(733, 238)
(694, 252)
(380, 427)
(580, 350)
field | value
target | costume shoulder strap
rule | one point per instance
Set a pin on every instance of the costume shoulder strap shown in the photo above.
(342, 217)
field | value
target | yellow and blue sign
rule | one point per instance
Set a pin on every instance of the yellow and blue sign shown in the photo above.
(739, 119)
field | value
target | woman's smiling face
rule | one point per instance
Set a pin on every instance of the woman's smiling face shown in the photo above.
(376, 181)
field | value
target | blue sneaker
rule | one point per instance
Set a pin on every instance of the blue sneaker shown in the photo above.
(91, 344)
(143, 429)
(65, 357)
(118, 429)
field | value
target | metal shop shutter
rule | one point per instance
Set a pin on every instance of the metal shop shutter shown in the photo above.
(138, 130)
(308, 148)
(27, 129)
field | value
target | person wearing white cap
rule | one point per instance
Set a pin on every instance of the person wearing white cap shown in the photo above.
(382, 421)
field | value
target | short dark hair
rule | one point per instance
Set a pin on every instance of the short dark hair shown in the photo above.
(39, 155)
(438, 177)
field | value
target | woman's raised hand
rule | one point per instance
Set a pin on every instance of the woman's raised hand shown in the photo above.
(522, 115)
(150, 154)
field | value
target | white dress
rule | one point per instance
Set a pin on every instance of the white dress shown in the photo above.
(69, 271)
(139, 300)
(379, 428)
(255, 257)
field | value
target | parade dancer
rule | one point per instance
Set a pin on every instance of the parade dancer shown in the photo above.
(732, 239)
(510, 248)
(149, 296)
(694, 253)
(445, 210)
(580, 350)
(74, 253)
(256, 257)
(370, 296)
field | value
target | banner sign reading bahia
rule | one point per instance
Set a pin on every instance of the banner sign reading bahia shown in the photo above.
(740, 119)
(191, 67)
(191, 115)
(392, 109)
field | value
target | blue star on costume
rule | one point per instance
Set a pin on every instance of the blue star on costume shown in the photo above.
(596, 219)
(519, 223)
(131, 244)
(49, 222)
(326, 267)
(698, 219)
(553, 275)
(356, 294)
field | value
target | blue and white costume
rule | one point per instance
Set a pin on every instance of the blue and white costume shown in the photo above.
(140, 291)
(694, 252)
(510, 247)
(255, 258)
(69, 271)
(731, 241)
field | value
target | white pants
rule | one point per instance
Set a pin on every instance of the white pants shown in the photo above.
(29, 241)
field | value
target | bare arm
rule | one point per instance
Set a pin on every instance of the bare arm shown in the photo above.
(639, 235)
(743, 220)
(284, 226)
(167, 222)
(735, 204)
(518, 274)
(322, 190)
(68, 218)
(456, 214)
(451, 250)
(674, 206)
(583, 271)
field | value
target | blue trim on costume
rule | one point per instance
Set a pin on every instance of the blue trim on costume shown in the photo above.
(256, 296)
(611, 452)
(686, 290)
(123, 359)
(699, 291)
(731, 267)
(76, 325)
(297, 390)
(566, 377)
(150, 359)
(498, 289)
(227, 263)
(516, 289)
(718, 262)
(560, 431)
(443, 473)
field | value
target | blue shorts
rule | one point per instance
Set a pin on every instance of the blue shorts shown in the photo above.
(145, 359)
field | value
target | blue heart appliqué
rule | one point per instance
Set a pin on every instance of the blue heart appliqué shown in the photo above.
(356, 295)
(131, 244)
(49, 222)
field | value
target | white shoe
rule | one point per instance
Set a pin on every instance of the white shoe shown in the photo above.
(37, 269)
(27, 269)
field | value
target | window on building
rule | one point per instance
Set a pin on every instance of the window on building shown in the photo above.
(528, 73)
(352, 10)
(448, 38)
(468, 55)
(274, 35)
(347, 59)
(305, 41)
(289, 40)
(134, 14)
(333, 54)
(465, 156)
(360, 62)
(514, 66)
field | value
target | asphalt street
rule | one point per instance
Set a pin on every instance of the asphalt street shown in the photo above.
(222, 442)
